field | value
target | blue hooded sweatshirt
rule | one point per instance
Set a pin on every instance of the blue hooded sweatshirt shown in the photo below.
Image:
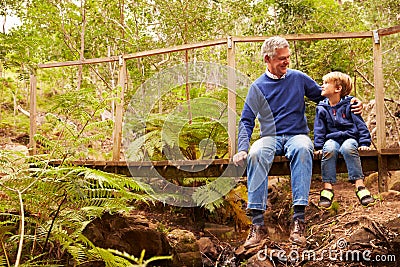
(339, 123)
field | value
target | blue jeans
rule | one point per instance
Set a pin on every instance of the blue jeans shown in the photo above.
(330, 153)
(298, 149)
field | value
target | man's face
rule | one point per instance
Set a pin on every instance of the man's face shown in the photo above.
(279, 63)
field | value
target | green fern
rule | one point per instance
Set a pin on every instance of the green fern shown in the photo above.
(59, 202)
(72, 127)
(213, 191)
(138, 261)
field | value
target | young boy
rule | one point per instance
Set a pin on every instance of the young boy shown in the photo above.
(338, 130)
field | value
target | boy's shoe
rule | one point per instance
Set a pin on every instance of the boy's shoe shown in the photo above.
(255, 236)
(364, 196)
(298, 233)
(326, 198)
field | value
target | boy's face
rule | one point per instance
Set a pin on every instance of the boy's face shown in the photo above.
(279, 63)
(329, 88)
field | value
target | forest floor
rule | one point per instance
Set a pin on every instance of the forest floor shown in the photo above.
(333, 235)
(373, 232)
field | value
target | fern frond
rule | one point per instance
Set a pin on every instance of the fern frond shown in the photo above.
(139, 261)
(136, 148)
(213, 191)
(3, 261)
(110, 259)
(106, 124)
(48, 144)
(61, 202)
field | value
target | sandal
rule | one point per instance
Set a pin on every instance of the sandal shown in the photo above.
(364, 196)
(326, 198)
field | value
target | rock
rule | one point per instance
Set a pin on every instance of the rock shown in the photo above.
(361, 236)
(275, 182)
(371, 179)
(17, 148)
(395, 186)
(182, 240)
(394, 225)
(207, 247)
(257, 261)
(396, 245)
(186, 249)
(394, 180)
(188, 259)
(391, 195)
(243, 253)
(131, 234)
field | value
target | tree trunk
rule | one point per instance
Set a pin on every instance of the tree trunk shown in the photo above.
(4, 24)
(82, 51)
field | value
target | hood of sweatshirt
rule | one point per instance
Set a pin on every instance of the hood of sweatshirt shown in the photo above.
(343, 101)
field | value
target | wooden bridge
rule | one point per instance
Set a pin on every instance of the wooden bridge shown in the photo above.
(372, 161)
(382, 159)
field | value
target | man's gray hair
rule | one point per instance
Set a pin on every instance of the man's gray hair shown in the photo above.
(271, 44)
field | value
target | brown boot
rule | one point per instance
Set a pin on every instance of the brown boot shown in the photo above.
(256, 234)
(298, 233)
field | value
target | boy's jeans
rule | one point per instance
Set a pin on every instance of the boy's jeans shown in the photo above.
(330, 153)
(298, 149)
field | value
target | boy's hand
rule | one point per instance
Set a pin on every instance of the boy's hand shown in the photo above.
(356, 105)
(364, 148)
(318, 152)
(239, 158)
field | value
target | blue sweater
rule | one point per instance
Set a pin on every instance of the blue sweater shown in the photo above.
(339, 123)
(279, 106)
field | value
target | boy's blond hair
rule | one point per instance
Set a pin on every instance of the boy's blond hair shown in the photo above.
(340, 79)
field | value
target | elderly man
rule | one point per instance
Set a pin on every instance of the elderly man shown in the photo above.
(276, 99)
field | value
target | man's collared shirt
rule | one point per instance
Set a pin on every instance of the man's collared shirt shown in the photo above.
(273, 76)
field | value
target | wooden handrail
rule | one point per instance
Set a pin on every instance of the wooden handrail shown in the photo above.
(290, 37)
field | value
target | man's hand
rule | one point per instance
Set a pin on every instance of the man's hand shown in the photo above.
(239, 158)
(364, 148)
(356, 105)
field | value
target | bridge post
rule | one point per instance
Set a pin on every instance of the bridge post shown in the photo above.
(231, 97)
(380, 111)
(32, 114)
(117, 134)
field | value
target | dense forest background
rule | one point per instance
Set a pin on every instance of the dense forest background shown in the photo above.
(76, 105)
(57, 31)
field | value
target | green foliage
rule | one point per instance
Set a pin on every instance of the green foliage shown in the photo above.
(61, 201)
(147, 144)
(334, 209)
(171, 135)
(379, 14)
(76, 128)
(138, 261)
(58, 204)
(11, 99)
